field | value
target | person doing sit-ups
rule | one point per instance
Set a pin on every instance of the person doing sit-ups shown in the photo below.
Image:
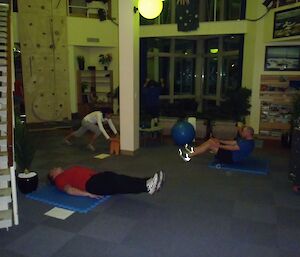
(227, 151)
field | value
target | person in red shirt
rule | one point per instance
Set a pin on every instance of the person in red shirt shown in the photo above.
(84, 181)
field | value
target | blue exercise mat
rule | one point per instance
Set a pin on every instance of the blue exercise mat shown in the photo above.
(51, 195)
(251, 165)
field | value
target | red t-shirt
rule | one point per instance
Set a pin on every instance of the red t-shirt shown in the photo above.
(75, 176)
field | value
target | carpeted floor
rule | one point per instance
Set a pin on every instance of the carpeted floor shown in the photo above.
(200, 212)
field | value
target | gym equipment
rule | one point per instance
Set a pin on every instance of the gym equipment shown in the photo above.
(183, 133)
(115, 146)
(250, 165)
(51, 195)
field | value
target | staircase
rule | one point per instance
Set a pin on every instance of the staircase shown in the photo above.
(8, 199)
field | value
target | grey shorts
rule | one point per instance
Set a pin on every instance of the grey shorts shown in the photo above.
(87, 126)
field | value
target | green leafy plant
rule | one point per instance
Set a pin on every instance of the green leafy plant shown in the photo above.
(105, 59)
(237, 104)
(24, 147)
(80, 60)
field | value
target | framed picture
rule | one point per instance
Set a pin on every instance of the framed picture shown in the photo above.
(286, 2)
(287, 23)
(282, 58)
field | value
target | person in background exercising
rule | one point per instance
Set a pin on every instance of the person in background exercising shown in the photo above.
(94, 122)
(227, 151)
(150, 102)
(84, 181)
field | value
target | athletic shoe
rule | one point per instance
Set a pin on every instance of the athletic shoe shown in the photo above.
(67, 142)
(91, 147)
(184, 156)
(188, 148)
(151, 184)
(161, 180)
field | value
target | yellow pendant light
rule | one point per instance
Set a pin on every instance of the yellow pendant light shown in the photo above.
(150, 9)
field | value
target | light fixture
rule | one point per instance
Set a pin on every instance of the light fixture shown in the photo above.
(149, 9)
(214, 50)
(268, 3)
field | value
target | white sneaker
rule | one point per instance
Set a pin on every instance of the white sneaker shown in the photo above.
(184, 156)
(161, 180)
(151, 184)
(189, 149)
(91, 147)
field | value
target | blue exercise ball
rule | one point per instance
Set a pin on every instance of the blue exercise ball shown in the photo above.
(183, 133)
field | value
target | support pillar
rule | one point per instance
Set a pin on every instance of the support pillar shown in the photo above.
(129, 76)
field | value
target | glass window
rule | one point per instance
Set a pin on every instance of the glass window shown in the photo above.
(210, 76)
(184, 76)
(231, 78)
(224, 10)
(158, 69)
(165, 16)
(161, 44)
(233, 9)
(164, 70)
(233, 42)
(209, 106)
(150, 68)
(209, 11)
(211, 45)
(185, 46)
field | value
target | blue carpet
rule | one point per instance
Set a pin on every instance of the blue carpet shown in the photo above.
(51, 195)
(251, 165)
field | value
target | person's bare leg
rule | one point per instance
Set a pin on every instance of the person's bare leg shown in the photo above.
(93, 139)
(92, 142)
(68, 137)
(77, 133)
(209, 145)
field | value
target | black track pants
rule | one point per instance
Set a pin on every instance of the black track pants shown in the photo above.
(110, 183)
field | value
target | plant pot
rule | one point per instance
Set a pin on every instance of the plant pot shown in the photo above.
(81, 65)
(105, 68)
(27, 182)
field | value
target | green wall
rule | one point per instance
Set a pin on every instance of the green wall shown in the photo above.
(257, 35)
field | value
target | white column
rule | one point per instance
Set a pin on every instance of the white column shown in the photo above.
(129, 76)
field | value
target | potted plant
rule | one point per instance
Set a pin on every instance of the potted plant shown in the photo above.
(27, 180)
(105, 60)
(80, 60)
(236, 105)
(231, 111)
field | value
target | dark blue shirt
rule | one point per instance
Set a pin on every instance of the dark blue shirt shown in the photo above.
(150, 96)
(246, 148)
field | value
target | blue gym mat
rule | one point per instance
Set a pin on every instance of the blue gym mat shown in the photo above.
(51, 195)
(251, 165)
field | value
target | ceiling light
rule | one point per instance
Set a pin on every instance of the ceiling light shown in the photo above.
(150, 9)
(214, 50)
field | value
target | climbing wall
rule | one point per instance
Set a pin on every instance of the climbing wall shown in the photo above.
(43, 38)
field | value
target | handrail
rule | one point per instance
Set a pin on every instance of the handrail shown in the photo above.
(9, 93)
